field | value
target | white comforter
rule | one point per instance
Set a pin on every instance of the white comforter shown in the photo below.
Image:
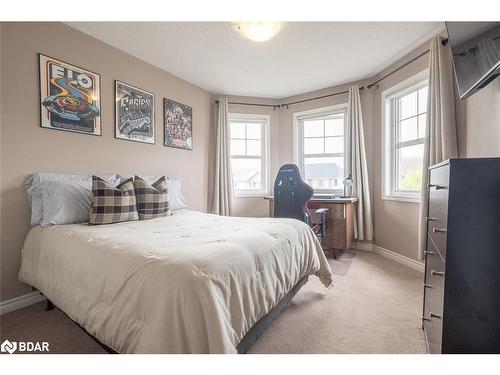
(188, 283)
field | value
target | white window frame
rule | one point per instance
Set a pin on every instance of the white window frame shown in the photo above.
(265, 157)
(389, 137)
(298, 139)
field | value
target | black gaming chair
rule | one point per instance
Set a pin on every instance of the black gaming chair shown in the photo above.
(291, 195)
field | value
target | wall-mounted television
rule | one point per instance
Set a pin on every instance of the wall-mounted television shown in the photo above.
(476, 54)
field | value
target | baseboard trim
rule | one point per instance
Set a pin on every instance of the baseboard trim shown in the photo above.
(412, 263)
(365, 246)
(20, 302)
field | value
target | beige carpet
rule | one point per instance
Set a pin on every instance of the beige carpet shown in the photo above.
(375, 307)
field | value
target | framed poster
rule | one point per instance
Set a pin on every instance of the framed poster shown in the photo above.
(70, 97)
(134, 113)
(177, 125)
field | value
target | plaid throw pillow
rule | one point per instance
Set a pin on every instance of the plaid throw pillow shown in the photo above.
(110, 204)
(152, 200)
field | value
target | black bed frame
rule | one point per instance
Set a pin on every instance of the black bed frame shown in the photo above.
(246, 342)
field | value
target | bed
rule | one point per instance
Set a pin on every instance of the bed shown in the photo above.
(187, 283)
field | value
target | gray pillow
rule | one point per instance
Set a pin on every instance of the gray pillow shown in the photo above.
(65, 202)
(60, 198)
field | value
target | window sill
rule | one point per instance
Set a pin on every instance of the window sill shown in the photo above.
(256, 195)
(401, 198)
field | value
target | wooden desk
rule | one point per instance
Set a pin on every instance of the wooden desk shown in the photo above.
(339, 220)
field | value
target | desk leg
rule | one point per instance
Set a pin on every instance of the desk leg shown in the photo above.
(329, 249)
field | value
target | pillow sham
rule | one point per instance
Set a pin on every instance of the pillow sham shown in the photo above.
(110, 204)
(57, 198)
(152, 199)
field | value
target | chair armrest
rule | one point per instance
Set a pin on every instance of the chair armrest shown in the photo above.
(307, 218)
(321, 211)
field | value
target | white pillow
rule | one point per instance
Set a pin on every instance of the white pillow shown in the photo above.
(149, 179)
(60, 198)
(176, 199)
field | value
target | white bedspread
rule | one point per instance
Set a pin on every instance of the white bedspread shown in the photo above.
(188, 283)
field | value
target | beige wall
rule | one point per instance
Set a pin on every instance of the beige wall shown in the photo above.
(26, 148)
(395, 222)
(482, 115)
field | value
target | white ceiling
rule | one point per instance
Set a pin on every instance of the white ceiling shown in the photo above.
(302, 57)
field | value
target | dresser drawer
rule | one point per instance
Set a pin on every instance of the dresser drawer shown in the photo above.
(434, 279)
(335, 211)
(433, 328)
(433, 297)
(438, 187)
(439, 197)
(440, 175)
(437, 228)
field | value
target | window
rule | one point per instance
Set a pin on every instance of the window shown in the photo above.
(249, 154)
(405, 111)
(319, 147)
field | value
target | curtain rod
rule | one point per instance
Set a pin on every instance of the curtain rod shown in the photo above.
(286, 105)
(444, 41)
(253, 104)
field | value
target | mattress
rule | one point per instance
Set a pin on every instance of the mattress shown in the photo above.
(187, 283)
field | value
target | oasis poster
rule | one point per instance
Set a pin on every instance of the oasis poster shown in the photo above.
(69, 97)
(134, 113)
(177, 124)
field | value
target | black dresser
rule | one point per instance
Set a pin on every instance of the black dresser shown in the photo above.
(462, 257)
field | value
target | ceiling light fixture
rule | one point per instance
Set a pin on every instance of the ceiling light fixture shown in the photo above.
(259, 31)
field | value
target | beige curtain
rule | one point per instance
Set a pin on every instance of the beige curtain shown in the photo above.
(356, 165)
(222, 200)
(441, 132)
